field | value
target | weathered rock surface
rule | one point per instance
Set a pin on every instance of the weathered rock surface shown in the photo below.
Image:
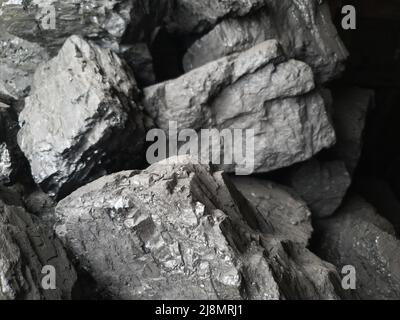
(102, 20)
(256, 89)
(80, 117)
(304, 29)
(286, 212)
(180, 231)
(357, 236)
(351, 106)
(25, 248)
(18, 61)
(323, 185)
(290, 220)
(199, 16)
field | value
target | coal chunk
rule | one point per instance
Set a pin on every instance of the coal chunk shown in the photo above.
(304, 29)
(323, 185)
(80, 118)
(25, 248)
(179, 230)
(360, 238)
(257, 89)
(18, 61)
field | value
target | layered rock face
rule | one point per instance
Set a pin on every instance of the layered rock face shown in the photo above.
(257, 89)
(83, 100)
(26, 248)
(52, 22)
(195, 17)
(185, 232)
(304, 29)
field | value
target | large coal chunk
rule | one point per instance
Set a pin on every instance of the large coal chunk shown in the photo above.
(257, 89)
(304, 29)
(359, 237)
(25, 249)
(179, 230)
(323, 185)
(290, 219)
(80, 117)
(18, 60)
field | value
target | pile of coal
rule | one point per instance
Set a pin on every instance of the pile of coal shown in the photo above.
(78, 198)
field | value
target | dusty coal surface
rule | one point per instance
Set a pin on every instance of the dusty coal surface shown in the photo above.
(96, 202)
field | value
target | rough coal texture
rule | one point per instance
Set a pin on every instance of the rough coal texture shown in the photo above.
(78, 101)
(184, 232)
(83, 100)
(105, 21)
(18, 61)
(26, 247)
(199, 16)
(359, 237)
(257, 89)
(286, 211)
(317, 44)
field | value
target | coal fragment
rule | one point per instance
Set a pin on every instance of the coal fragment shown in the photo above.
(80, 118)
(179, 230)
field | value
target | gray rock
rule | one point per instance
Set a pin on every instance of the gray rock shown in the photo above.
(83, 100)
(41, 205)
(18, 61)
(290, 220)
(198, 16)
(351, 106)
(304, 29)
(11, 158)
(323, 185)
(286, 211)
(256, 89)
(181, 231)
(357, 236)
(102, 20)
(25, 248)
